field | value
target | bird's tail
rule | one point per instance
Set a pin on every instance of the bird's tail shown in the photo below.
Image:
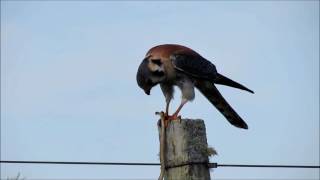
(209, 90)
(220, 79)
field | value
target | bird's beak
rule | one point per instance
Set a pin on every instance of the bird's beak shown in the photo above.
(147, 91)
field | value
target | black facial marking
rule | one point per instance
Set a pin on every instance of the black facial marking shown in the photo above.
(158, 73)
(157, 61)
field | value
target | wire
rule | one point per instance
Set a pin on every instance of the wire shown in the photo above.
(82, 163)
(266, 166)
(210, 165)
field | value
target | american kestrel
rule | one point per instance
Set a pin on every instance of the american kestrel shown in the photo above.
(174, 65)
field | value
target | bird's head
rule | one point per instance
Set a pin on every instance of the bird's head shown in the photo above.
(150, 73)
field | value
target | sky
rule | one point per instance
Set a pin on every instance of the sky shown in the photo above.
(69, 92)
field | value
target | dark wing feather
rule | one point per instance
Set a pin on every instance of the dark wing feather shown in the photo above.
(220, 79)
(209, 90)
(194, 65)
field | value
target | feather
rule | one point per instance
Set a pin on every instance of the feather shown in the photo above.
(220, 79)
(209, 90)
(194, 65)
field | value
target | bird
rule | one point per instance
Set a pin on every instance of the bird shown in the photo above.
(171, 65)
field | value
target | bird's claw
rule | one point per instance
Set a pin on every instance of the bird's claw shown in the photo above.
(167, 118)
(174, 117)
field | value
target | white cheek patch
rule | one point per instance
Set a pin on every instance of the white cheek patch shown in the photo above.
(159, 68)
(155, 67)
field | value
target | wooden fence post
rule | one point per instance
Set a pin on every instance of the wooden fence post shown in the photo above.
(186, 150)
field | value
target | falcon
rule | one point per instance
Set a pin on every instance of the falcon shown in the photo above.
(175, 65)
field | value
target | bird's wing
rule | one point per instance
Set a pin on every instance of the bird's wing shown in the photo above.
(209, 90)
(197, 66)
(194, 65)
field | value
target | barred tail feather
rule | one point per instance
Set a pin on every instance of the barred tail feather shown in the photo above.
(209, 90)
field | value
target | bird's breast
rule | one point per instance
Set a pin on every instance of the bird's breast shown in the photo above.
(186, 85)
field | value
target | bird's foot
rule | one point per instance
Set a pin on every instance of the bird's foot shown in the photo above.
(167, 118)
(173, 117)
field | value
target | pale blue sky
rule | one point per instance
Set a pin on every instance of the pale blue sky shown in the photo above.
(68, 88)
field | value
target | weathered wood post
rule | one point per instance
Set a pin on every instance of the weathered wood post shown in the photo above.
(186, 150)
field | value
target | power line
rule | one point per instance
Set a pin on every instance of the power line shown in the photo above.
(211, 165)
(82, 163)
(266, 166)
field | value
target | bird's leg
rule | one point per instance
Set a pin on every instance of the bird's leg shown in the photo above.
(167, 89)
(166, 119)
(167, 109)
(175, 116)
